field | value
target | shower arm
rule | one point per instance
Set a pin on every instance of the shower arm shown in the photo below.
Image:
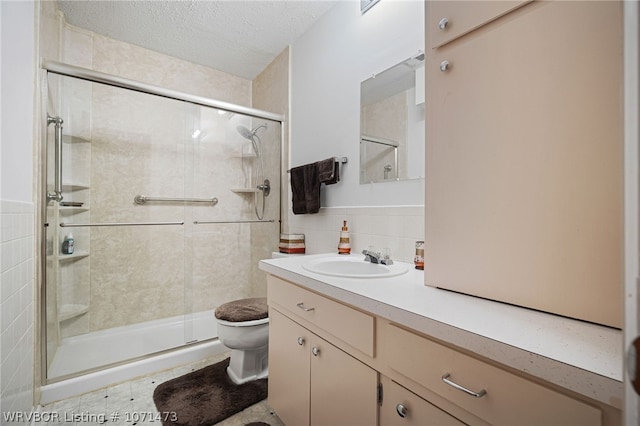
(56, 195)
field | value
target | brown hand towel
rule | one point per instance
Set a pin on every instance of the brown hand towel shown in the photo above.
(305, 188)
(312, 187)
(329, 171)
(297, 188)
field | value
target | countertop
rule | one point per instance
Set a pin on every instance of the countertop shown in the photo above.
(579, 356)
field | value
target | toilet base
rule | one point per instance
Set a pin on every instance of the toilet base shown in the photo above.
(248, 365)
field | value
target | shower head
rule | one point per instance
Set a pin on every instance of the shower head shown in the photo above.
(250, 135)
(244, 132)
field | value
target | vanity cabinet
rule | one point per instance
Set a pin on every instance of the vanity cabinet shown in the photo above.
(524, 157)
(350, 329)
(486, 391)
(400, 406)
(311, 382)
(319, 374)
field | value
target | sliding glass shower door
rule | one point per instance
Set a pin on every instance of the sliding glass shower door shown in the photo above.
(153, 218)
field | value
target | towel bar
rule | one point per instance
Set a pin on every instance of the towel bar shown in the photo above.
(341, 160)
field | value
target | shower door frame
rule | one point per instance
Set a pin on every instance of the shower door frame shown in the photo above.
(93, 76)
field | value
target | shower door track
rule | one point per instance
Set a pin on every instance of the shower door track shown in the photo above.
(87, 225)
(125, 83)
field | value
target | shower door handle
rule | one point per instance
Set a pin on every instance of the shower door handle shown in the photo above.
(56, 195)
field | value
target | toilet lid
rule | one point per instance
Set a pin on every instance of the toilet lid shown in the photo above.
(243, 310)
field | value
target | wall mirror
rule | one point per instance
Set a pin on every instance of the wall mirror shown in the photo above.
(392, 123)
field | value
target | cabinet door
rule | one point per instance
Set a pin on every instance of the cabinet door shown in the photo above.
(289, 346)
(343, 390)
(402, 407)
(524, 161)
(448, 20)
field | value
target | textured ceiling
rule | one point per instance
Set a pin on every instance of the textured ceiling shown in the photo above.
(236, 36)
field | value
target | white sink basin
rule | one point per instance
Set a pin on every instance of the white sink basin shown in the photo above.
(354, 267)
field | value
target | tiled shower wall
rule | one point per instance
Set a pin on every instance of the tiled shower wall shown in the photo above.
(393, 227)
(113, 286)
(16, 306)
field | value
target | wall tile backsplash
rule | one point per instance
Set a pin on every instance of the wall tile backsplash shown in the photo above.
(16, 305)
(394, 227)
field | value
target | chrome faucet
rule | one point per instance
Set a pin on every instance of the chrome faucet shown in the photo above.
(371, 256)
(375, 257)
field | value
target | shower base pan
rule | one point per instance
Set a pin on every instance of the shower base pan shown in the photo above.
(135, 342)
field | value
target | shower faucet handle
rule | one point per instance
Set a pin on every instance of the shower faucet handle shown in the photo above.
(265, 187)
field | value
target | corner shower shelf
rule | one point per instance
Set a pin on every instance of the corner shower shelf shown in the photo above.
(70, 257)
(73, 187)
(66, 211)
(74, 139)
(68, 311)
(244, 190)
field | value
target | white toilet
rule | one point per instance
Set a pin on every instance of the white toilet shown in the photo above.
(243, 327)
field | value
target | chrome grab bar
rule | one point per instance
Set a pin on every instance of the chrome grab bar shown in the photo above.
(56, 195)
(202, 222)
(84, 225)
(142, 199)
(480, 394)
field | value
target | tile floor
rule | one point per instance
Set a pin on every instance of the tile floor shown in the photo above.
(131, 404)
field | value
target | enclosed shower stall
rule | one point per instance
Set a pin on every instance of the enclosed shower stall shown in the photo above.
(157, 206)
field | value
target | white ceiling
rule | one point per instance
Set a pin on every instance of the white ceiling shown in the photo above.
(240, 37)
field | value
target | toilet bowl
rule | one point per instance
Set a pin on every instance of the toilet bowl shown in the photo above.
(243, 327)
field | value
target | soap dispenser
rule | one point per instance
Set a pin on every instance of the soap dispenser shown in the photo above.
(67, 244)
(344, 246)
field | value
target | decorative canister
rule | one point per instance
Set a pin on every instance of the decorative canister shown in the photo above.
(292, 243)
(419, 259)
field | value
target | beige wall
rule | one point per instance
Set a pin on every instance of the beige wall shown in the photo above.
(271, 93)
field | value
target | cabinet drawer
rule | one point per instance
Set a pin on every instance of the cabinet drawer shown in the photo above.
(462, 17)
(402, 407)
(347, 324)
(509, 399)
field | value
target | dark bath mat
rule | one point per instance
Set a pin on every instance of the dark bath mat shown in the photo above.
(205, 397)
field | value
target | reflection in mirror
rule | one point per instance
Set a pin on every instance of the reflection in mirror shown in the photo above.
(392, 123)
(378, 159)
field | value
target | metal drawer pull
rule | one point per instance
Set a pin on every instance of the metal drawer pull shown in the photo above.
(301, 306)
(443, 24)
(444, 66)
(480, 394)
(315, 351)
(402, 410)
(301, 341)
